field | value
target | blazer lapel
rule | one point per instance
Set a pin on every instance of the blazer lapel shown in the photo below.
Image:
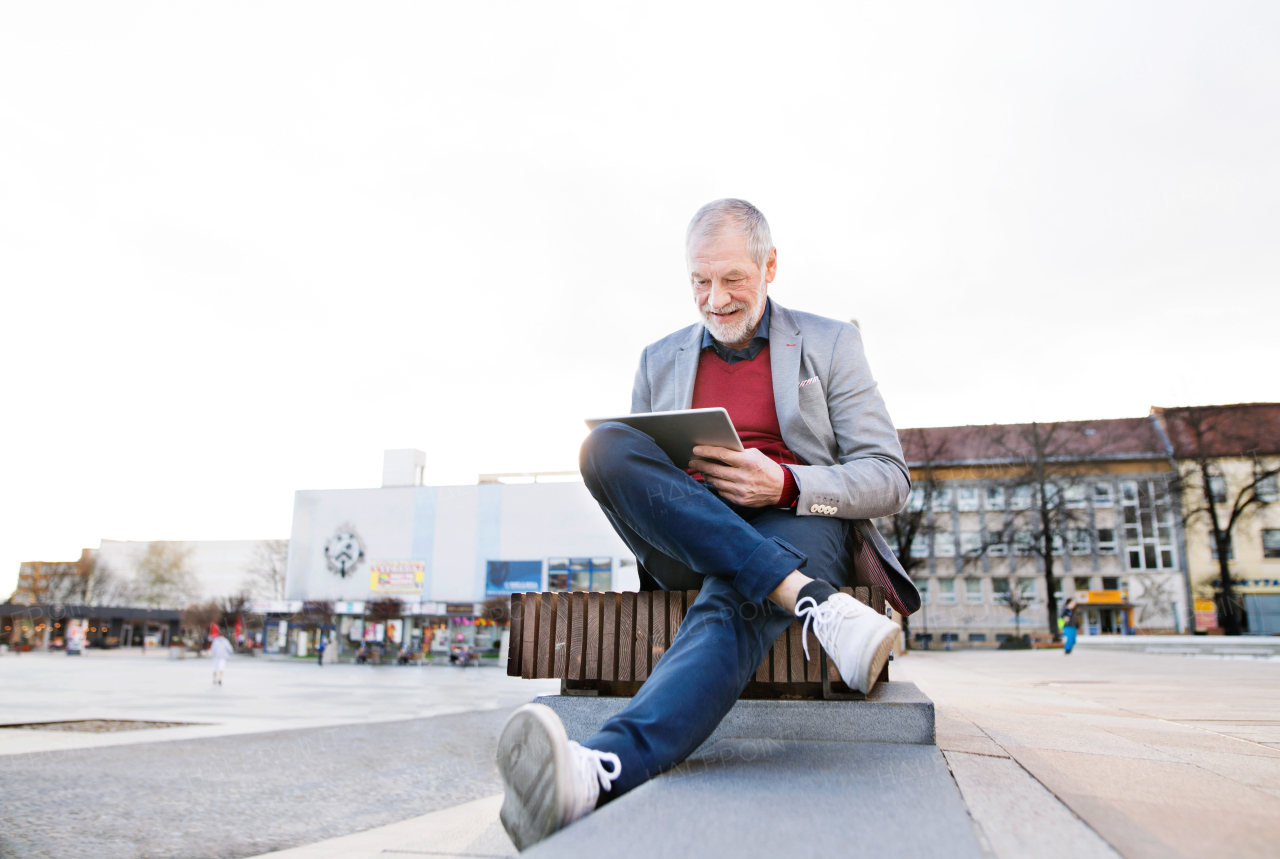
(684, 369)
(785, 345)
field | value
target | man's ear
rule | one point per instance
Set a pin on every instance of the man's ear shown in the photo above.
(771, 266)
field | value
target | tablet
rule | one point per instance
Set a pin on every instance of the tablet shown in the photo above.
(677, 432)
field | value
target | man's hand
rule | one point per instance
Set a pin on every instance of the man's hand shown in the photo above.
(747, 478)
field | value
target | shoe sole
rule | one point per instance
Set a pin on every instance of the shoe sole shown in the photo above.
(533, 760)
(880, 649)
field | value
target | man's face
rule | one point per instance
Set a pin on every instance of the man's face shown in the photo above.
(729, 289)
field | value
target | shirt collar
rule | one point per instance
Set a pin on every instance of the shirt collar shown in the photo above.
(758, 342)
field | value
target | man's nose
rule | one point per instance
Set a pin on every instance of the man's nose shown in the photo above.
(719, 296)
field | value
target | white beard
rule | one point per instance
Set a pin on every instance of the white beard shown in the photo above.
(737, 331)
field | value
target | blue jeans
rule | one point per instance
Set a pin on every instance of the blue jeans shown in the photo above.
(1069, 637)
(687, 538)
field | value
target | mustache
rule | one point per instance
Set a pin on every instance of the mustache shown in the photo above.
(706, 310)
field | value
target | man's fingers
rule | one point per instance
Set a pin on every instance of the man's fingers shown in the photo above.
(710, 468)
(721, 453)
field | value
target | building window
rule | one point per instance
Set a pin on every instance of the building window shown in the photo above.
(1111, 583)
(995, 498)
(1148, 525)
(941, 500)
(967, 499)
(1266, 490)
(1074, 495)
(1271, 542)
(970, 543)
(1213, 549)
(1103, 495)
(1027, 589)
(973, 591)
(580, 574)
(1106, 541)
(917, 500)
(1023, 542)
(946, 591)
(1021, 498)
(1080, 542)
(1218, 487)
(977, 638)
(920, 546)
(923, 585)
(997, 548)
(944, 545)
(1080, 583)
(1000, 589)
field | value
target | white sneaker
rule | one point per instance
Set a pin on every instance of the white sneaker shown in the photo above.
(856, 637)
(551, 781)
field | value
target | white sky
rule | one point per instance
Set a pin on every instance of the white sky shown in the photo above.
(245, 247)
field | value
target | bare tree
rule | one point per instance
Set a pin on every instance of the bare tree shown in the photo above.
(1016, 603)
(1202, 437)
(164, 579)
(911, 526)
(104, 587)
(1045, 459)
(264, 575)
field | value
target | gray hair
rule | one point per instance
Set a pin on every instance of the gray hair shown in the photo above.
(731, 214)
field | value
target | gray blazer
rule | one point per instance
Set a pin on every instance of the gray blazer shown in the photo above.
(832, 417)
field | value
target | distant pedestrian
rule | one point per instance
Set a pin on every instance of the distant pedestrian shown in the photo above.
(320, 650)
(219, 650)
(1070, 621)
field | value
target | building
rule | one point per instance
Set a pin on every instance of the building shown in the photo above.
(1239, 447)
(441, 551)
(52, 581)
(44, 627)
(973, 533)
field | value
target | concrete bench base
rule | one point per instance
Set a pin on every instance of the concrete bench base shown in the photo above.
(895, 712)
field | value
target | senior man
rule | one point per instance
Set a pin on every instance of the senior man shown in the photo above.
(766, 534)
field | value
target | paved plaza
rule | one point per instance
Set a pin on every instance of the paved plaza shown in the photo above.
(1096, 754)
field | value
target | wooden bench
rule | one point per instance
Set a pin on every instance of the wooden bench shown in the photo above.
(609, 643)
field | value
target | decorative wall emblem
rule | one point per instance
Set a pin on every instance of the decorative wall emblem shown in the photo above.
(344, 551)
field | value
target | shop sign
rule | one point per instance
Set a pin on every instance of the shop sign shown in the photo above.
(354, 608)
(397, 577)
(1206, 615)
(1102, 596)
(273, 606)
(512, 577)
(464, 608)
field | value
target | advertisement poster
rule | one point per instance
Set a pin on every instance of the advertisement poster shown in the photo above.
(77, 628)
(357, 630)
(397, 577)
(513, 577)
(1206, 615)
(395, 630)
(373, 632)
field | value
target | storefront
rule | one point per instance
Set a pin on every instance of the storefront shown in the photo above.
(1105, 612)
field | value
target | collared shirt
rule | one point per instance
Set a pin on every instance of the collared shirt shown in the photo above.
(733, 356)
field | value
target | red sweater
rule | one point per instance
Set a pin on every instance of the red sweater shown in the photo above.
(745, 391)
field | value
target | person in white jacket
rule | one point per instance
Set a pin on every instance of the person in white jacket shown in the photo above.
(220, 649)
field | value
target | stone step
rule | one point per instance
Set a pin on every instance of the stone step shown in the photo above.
(894, 712)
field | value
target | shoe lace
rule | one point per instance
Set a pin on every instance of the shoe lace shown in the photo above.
(592, 775)
(817, 614)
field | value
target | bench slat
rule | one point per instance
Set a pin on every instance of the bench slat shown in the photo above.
(577, 633)
(644, 602)
(514, 639)
(796, 673)
(609, 637)
(658, 610)
(561, 651)
(591, 666)
(529, 635)
(626, 637)
(546, 634)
